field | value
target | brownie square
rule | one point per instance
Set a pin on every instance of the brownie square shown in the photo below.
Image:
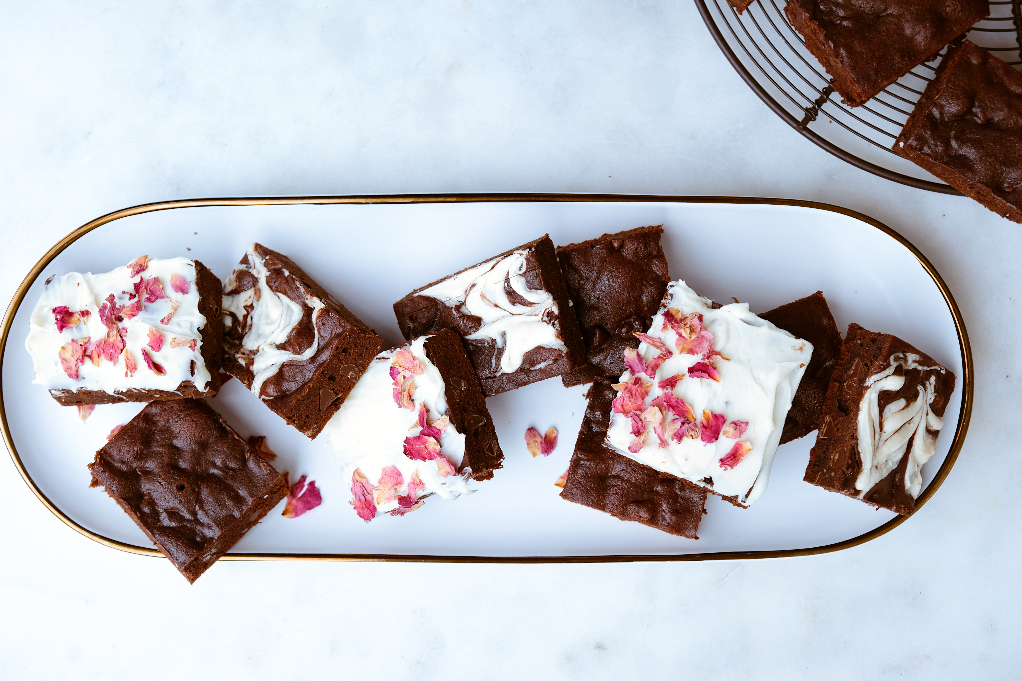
(810, 319)
(616, 283)
(151, 330)
(188, 480)
(600, 478)
(865, 45)
(967, 129)
(881, 418)
(290, 342)
(513, 312)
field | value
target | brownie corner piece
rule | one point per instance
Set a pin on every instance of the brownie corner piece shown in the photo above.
(810, 319)
(188, 480)
(616, 283)
(309, 353)
(513, 312)
(740, 5)
(899, 395)
(967, 129)
(602, 479)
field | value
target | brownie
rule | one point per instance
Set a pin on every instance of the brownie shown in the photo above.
(865, 45)
(308, 365)
(600, 478)
(900, 395)
(810, 319)
(188, 480)
(151, 330)
(513, 311)
(616, 283)
(967, 129)
(740, 5)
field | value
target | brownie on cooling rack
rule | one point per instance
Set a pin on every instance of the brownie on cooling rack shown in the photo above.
(967, 129)
(865, 45)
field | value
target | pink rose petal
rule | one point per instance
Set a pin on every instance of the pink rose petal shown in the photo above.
(362, 496)
(445, 467)
(132, 309)
(114, 431)
(735, 429)
(654, 343)
(154, 366)
(410, 501)
(441, 424)
(711, 425)
(735, 456)
(638, 443)
(654, 417)
(386, 489)
(130, 367)
(634, 362)
(676, 405)
(303, 498)
(563, 480)
(540, 445)
(174, 307)
(669, 384)
(72, 356)
(703, 370)
(423, 418)
(84, 410)
(155, 340)
(110, 313)
(638, 425)
(138, 265)
(632, 395)
(150, 289)
(178, 284)
(421, 448)
(257, 444)
(405, 361)
(66, 319)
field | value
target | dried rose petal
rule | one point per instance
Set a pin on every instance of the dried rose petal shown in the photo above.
(405, 360)
(110, 313)
(688, 430)
(672, 403)
(638, 425)
(711, 425)
(130, 367)
(174, 307)
(303, 498)
(190, 343)
(114, 431)
(703, 370)
(407, 393)
(632, 395)
(421, 448)
(72, 356)
(634, 362)
(138, 265)
(84, 410)
(150, 289)
(155, 339)
(257, 443)
(638, 443)
(362, 496)
(132, 309)
(65, 318)
(735, 456)
(540, 444)
(654, 343)
(441, 424)
(735, 429)
(654, 417)
(669, 384)
(410, 501)
(445, 467)
(386, 488)
(563, 480)
(155, 367)
(178, 284)
(423, 418)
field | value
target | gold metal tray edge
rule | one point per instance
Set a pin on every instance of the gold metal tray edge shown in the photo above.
(952, 456)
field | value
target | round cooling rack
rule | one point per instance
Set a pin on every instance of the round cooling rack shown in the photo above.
(772, 58)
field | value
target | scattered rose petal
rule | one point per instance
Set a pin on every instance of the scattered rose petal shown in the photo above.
(72, 356)
(735, 456)
(130, 367)
(676, 405)
(174, 307)
(664, 353)
(257, 443)
(114, 431)
(688, 430)
(638, 425)
(84, 410)
(150, 289)
(711, 425)
(669, 384)
(441, 424)
(654, 343)
(404, 360)
(362, 496)
(410, 501)
(155, 339)
(66, 319)
(634, 362)
(703, 370)
(423, 418)
(109, 348)
(303, 498)
(654, 417)
(386, 488)
(138, 265)
(445, 467)
(563, 480)
(421, 448)
(178, 284)
(638, 443)
(110, 313)
(540, 444)
(632, 395)
(132, 309)
(735, 429)
(190, 343)
(154, 366)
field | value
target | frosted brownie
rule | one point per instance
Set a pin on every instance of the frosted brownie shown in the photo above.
(616, 283)
(601, 478)
(414, 425)
(880, 422)
(865, 45)
(188, 480)
(705, 396)
(513, 312)
(809, 318)
(290, 342)
(150, 330)
(967, 129)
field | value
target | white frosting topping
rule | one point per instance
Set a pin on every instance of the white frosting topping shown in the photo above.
(756, 385)
(272, 318)
(516, 328)
(88, 292)
(884, 438)
(368, 432)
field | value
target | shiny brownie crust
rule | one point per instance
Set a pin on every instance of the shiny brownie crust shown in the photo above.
(810, 319)
(188, 480)
(835, 462)
(865, 45)
(212, 334)
(306, 393)
(616, 284)
(600, 478)
(967, 129)
(419, 315)
(466, 404)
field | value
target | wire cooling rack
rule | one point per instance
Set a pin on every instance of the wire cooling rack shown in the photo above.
(772, 58)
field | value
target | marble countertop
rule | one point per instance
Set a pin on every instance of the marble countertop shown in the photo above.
(107, 105)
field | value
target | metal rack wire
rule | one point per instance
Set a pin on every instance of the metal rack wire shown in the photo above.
(772, 58)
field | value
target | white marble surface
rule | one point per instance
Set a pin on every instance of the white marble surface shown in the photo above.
(107, 105)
